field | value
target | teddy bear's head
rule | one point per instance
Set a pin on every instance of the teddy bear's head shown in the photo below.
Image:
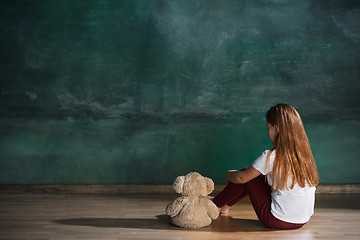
(193, 184)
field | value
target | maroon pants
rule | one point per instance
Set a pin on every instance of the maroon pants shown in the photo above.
(260, 197)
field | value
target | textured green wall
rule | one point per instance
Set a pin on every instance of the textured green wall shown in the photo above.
(139, 92)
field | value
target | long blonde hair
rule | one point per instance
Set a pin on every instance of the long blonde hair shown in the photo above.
(293, 157)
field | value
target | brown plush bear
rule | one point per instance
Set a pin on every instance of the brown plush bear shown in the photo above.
(193, 209)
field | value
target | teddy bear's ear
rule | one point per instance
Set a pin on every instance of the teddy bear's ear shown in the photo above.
(178, 184)
(209, 185)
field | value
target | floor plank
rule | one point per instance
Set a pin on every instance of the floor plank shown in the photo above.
(142, 216)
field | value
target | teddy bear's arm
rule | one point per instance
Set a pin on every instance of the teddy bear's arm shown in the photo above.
(174, 208)
(212, 209)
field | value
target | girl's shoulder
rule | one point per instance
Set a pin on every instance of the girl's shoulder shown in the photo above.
(261, 163)
(264, 155)
(267, 152)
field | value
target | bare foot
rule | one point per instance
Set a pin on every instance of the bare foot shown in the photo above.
(224, 209)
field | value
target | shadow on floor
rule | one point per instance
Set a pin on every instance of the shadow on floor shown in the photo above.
(222, 224)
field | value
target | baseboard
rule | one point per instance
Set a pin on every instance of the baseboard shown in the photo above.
(124, 188)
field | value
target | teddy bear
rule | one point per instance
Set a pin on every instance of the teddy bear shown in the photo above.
(193, 209)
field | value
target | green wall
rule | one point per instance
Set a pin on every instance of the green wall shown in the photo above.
(139, 92)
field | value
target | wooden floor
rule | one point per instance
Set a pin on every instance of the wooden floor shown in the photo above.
(141, 216)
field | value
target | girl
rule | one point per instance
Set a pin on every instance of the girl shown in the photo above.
(287, 202)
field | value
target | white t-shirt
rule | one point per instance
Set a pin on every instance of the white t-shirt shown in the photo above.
(294, 205)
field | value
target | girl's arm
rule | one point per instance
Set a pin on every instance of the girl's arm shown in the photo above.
(242, 176)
